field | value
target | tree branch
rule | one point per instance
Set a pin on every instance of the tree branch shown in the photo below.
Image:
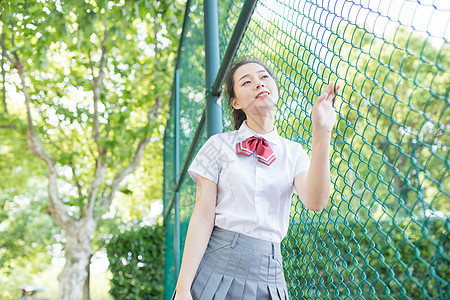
(34, 141)
(100, 170)
(100, 166)
(74, 174)
(96, 90)
(5, 53)
(75, 179)
(106, 200)
(56, 205)
(9, 126)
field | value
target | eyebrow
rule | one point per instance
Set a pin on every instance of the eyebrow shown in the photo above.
(260, 71)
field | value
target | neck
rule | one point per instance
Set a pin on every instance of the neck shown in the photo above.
(261, 124)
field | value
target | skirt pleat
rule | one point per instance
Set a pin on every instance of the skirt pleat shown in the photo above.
(223, 288)
(236, 289)
(250, 290)
(211, 286)
(239, 267)
(201, 278)
(263, 292)
(282, 292)
(273, 292)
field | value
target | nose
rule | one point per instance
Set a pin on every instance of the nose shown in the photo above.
(259, 84)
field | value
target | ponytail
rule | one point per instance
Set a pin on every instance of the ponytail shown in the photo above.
(238, 117)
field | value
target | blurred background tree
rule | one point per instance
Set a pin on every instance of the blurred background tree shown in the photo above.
(86, 86)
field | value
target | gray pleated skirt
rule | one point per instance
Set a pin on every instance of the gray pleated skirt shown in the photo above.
(237, 266)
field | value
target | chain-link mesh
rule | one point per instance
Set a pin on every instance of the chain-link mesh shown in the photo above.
(384, 232)
(192, 91)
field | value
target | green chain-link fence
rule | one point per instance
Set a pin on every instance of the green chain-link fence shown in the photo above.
(385, 231)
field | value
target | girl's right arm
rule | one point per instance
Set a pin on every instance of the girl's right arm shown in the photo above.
(198, 234)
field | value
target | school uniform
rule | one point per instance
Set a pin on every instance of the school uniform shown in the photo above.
(243, 258)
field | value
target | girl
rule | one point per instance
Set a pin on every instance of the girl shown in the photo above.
(245, 180)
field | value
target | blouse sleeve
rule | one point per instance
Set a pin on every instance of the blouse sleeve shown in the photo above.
(302, 163)
(206, 162)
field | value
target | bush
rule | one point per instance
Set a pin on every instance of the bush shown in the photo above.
(136, 260)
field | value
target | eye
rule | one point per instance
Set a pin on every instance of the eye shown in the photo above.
(245, 82)
(265, 76)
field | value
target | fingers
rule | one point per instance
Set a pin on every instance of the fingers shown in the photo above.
(329, 93)
(329, 88)
(334, 93)
(332, 88)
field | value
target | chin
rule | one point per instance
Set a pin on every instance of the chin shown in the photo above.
(263, 110)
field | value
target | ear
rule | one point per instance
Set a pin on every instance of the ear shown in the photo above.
(235, 103)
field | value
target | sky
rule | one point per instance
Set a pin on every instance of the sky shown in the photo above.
(426, 17)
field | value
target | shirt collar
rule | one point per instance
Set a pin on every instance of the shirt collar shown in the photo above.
(245, 132)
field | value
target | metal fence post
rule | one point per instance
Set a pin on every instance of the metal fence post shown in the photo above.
(176, 235)
(212, 63)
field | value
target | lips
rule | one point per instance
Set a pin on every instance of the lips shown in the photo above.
(262, 94)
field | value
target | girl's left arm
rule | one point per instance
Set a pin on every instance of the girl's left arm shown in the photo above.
(313, 186)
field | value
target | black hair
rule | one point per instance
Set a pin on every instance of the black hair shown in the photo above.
(238, 114)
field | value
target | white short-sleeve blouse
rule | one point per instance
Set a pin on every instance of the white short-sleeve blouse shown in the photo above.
(252, 198)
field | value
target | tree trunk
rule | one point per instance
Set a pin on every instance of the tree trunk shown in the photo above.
(86, 287)
(78, 253)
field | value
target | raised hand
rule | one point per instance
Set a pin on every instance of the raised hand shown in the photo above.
(323, 112)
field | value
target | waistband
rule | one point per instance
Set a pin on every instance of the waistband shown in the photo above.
(246, 241)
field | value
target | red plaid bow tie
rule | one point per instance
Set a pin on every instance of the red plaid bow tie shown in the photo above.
(263, 151)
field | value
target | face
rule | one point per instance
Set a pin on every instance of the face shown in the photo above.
(255, 90)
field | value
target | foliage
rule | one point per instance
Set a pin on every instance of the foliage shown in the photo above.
(136, 258)
(27, 232)
(12, 282)
(61, 47)
(26, 241)
(143, 186)
(95, 77)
